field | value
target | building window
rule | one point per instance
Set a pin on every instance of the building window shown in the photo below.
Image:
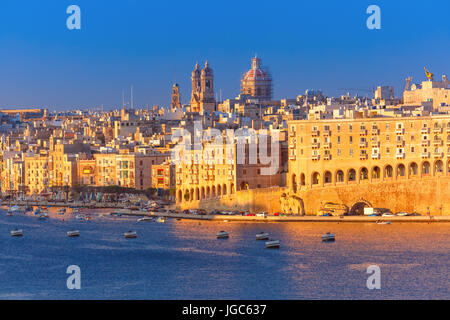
(350, 152)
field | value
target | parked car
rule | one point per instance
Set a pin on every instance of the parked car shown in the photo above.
(250, 214)
(276, 214)
(262, 214)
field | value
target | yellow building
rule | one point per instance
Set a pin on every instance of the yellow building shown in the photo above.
(105, 169)
(437, 92)
(37, 174)
(355, 151)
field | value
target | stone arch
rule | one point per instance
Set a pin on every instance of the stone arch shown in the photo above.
(213, 192)
(401, 170)
(191, 193)
(388, 171)
(315, 178)
(327, 177)
(232, 188)
(363, 173)
(187, 196)
(224, 189)
(219, 190)
(302, 179)
(197, 193)
(413, 169)
(208, 192)
(425, 168)
(438, 167)
(340, 176)
(294, 183)
(376, 172)
(244, 185)
(202, 193)
(180, 196)
(351, 175)
(358, 207)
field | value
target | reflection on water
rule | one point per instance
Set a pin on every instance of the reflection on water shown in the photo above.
(184, 260)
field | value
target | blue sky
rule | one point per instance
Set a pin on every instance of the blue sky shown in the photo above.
(306, 44)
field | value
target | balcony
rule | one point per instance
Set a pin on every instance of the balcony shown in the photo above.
(448, 142)
(425, 143)
(375, 131)
(327, 145)
(437, 142)
(437, 130)
(438, 154)
(400, 155)
(292, 133)
(400, 143)
(425, 130)
(375, 143)
(448, 129)
(400, 131)
(230, 177)
(363, 144)
(425, 154)
(326, 132)
(292, 157)
(363, 156)
(292, 145)
(316, 157)
(375, 156)
(315, 145)
(327, 157)
(363, 132)
(315, 133)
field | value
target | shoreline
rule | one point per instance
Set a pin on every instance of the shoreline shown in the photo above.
(230, 218)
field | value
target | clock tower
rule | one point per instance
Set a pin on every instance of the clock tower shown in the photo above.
(175, 101)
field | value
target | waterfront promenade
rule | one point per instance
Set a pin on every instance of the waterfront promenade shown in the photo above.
(122, 209)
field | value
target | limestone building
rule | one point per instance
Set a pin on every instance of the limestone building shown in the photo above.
(257, 82)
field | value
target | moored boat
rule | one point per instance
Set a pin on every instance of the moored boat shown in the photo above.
(273, 244)
(73, 233)
(130, 234)
(328, 237)
(161, 220)
(16, 233)
(62, 211)
(222, 235)
(262, 236)
(145, 219)
(383, 222)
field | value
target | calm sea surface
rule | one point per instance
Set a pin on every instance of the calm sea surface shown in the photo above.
(184, 260)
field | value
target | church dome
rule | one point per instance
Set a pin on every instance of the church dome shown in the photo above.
(256, 73)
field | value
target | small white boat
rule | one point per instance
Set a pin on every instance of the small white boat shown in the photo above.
(130, 234)
(43, 216)
(62, 211)
(79, 217)
(402, 214)
(14, 208)
(161, 220)
(273, 244)
(262, 236)
(73, 233)
(222, 235)
(383, 222)
(17, 233)
(145, 219)
(328, 237)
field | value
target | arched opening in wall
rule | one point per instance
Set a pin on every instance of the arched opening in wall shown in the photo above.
(340, 176)
(363, 174)
(208, 192)
(191, 193)
(197, 194)
(202, 194)
(388, 172)
(219, 190)
(213, 192)
(376, 173)
(244, 185)
(401, 171)
(224, 189)
(426, 168)
(315, 178)
(351, 175)
(328, 177)
(294, 183)
(180, 196)
(438, 167)
(358, 208)
(448, 166)
(413, 169)
(232, 188)
(187, 196)
(302, 179)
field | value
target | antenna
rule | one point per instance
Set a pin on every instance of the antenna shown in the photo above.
(123, 99)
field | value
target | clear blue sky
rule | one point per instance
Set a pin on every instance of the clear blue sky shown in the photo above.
(306, 44)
